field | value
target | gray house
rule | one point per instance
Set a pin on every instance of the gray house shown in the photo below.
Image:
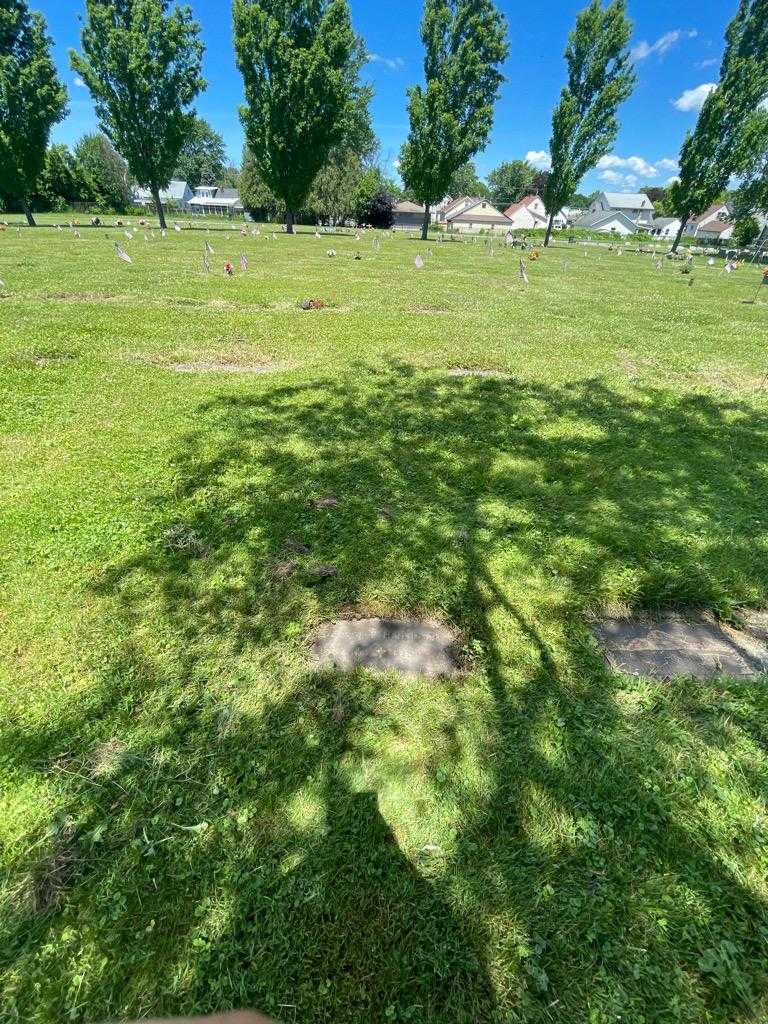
(408, 215)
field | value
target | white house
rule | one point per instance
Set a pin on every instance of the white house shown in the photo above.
(528, 212)
(708, 225)
(665, 227)
(213, 199)
(634, 205)
(178, 194)
(475, 215)
(715, 231)
(610, 222)
(437, 213)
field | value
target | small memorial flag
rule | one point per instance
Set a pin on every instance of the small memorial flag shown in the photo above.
(419, 263)
(176, 227)
(523, 275)
(128, 235)
(206, 263)
(122, 254)
(243, 261)
(208, 247)
(163, 233)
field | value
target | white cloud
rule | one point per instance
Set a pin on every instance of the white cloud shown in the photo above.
(671, 181)
(693, 99)
(667, 165)
(616, 178)
(710, 62)
(632, 163)
(663, 44)
(540, 159)
(390, 63)
(79, 82)
(396, 164)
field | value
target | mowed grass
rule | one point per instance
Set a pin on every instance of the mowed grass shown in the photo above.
(191, 819)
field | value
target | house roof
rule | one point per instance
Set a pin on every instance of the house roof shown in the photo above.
(479, 209)
(521, 204)
(716, 227)
(176, 191)
(664, 222)
(628, 200)
(224, 197)
(594, 220)
(406, 206)
(467, 200)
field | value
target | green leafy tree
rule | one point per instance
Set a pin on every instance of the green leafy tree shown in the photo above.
(60, 183)
(335, 189)
(465, 181)
(746, 232)
(301, 63)
(202, 159)
(451, 116)
(718, 146)
(32, 100)
(376, 198)
(584, 122)
(510, 181)
(105, 175)
(142, 66)
(751, 196)
(257, 197)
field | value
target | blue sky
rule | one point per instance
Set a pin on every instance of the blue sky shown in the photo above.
(677, 48)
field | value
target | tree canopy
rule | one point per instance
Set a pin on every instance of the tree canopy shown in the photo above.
(584, 122)
(106, 179)
(202, 159)
(510, 181)
(142, 65)
(300, 61)
(451, 116)
(32, 100)
(730, 121)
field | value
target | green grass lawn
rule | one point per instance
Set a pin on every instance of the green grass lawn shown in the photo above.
(190, 818)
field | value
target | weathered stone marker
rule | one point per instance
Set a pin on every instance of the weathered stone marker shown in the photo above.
(675, 646)
(412, 647)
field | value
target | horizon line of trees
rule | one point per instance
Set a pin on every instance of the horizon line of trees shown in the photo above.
(309, 141)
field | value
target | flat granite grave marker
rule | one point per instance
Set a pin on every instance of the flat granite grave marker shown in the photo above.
(676, 646)
(412, 647)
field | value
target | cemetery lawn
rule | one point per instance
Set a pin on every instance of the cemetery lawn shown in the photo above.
(191, 819)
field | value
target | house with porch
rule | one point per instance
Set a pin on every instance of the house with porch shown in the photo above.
(214, 200)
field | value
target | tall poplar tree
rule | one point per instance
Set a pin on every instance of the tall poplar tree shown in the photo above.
(142, 65)
(715, 149)
(584, 122)
(32, 100)
(300, 61)
(451, 116)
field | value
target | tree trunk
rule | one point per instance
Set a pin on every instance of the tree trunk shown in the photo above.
(159, 206)
(28, 214)
(425, 223)
(550, 225)
(683, 225)
(289, 222)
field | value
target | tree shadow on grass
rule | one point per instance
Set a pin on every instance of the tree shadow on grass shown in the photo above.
(540, 841)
